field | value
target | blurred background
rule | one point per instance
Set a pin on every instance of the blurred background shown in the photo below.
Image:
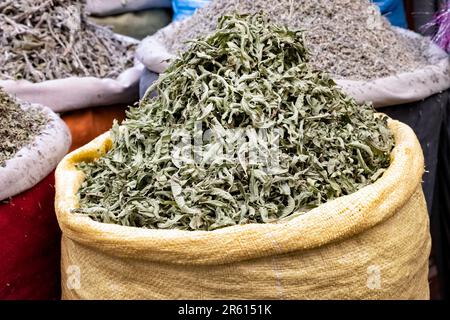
(140, 18)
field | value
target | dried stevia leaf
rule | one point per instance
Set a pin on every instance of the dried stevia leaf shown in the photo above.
(251, 79)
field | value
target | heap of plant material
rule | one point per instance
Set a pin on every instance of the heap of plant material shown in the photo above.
(305, 142)
(347, 38)
(52, 39)
(18, 126)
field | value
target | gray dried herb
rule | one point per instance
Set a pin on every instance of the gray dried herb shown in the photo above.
(18, 126)
(52, 39)
(347, 38)
(249, 75)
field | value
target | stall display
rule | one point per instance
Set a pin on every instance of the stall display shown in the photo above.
(50, 53)
(311, 222)
(87, 124)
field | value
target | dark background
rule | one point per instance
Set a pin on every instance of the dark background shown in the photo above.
(419, 12)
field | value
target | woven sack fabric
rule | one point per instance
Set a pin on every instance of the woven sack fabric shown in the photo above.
(372, 244)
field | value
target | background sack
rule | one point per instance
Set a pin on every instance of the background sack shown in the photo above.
(394, 10)
(373, 244)
(110, 7)
(80, 92)
(399, 89)
(405, 87)
(35, 161)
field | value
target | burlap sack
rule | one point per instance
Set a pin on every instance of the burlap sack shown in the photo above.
(373, 244)
(74, 93)
(36, 160)
(388, 91)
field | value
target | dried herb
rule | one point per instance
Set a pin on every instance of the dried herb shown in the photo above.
(52, 39)
(347, 38)
(250, 76)
(18, 126)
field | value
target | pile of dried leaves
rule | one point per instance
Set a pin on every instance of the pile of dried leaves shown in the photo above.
(52, 39)
(18, 127)
(282, 138)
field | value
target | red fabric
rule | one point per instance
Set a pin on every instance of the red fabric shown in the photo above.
(30, 245)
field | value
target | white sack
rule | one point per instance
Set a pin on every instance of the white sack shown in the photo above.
(73, 93)
(399, 89)
(406, 87)
(111, 7)
(38, 159)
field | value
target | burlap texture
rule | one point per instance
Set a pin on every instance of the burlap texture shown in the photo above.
(373, 244)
